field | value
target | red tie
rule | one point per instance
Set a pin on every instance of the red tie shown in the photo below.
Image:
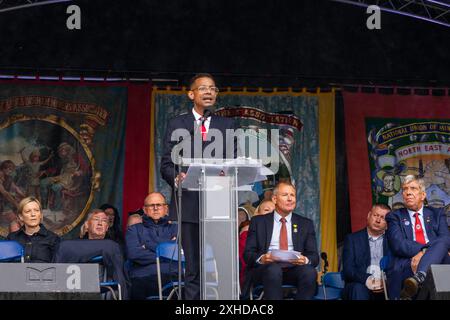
(418, 230)
(203, 128)
(283, 235)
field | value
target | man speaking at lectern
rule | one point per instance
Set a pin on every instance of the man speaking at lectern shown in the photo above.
(198, 122)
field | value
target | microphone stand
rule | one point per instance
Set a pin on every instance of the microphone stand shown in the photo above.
(179, 230)
(180, 268)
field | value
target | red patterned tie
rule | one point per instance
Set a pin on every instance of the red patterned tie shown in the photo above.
(418, 230)
(283, 235)
(203, 128)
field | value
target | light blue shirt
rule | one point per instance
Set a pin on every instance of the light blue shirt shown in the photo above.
(376, 249)
(413, 220)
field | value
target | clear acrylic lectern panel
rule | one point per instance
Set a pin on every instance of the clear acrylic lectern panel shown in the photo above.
(217, 181)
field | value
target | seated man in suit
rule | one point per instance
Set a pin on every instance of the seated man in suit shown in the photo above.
(418, 237)
(282, 229)
(363, 251)
(141, 241)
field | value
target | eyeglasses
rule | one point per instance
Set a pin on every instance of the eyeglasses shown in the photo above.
(204, 89)
(155, 205)
(106, 221)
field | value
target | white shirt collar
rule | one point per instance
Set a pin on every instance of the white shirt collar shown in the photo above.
(197, 116)
(412, 213)
(277, 217)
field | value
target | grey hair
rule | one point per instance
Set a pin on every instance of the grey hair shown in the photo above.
(94, 211)
(411, 178)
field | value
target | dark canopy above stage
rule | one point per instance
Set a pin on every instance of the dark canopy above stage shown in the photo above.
(247, 42)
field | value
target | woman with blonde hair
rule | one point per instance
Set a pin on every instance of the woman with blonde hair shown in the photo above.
(265, 207)
(39, 243)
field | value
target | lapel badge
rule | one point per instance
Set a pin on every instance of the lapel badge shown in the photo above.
(406, 222)
(295, 228)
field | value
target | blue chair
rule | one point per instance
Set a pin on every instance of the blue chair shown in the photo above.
(11, 251)
(167, 251)
(105, 285)
(211, 275)
(331, 288)
(384, 263)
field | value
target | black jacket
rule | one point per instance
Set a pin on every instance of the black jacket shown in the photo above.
(81, 251)
(190, 199)
(39, 247)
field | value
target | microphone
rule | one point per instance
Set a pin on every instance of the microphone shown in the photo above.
(324, 257)
(206, 113)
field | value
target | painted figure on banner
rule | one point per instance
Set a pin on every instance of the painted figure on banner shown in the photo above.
(65, 189)
(10, 193)
(32, 169)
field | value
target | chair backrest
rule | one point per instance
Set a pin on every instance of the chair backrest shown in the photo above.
(333, 279)
(384, 262)
(210, 260)
(96, 259)
(11, 251)
(168, 250)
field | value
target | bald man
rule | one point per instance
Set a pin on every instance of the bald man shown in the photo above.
(142, 240)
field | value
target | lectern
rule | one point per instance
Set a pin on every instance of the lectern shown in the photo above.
(218, 182)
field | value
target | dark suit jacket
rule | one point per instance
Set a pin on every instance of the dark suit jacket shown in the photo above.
(260, 234)
(402, 244)
(82, 251)
(190, 199)
(356, 256)
(400, 230)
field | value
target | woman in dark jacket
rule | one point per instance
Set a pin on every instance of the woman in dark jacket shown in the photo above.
(115, 228)
(39, 243)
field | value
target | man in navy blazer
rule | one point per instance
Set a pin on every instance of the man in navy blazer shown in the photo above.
(418, 237)
(266, 234)
(203, 93)
(363, 251)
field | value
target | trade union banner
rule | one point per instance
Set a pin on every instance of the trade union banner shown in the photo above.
(389, 137)
(399, 147)
(63, 145)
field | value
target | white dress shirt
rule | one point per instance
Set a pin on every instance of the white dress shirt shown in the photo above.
(197, 119)
(413, 221)
(275, 241)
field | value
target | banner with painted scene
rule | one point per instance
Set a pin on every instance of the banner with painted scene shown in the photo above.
(296, 117)
(63, 145)
(390, 136)
(399, 147)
